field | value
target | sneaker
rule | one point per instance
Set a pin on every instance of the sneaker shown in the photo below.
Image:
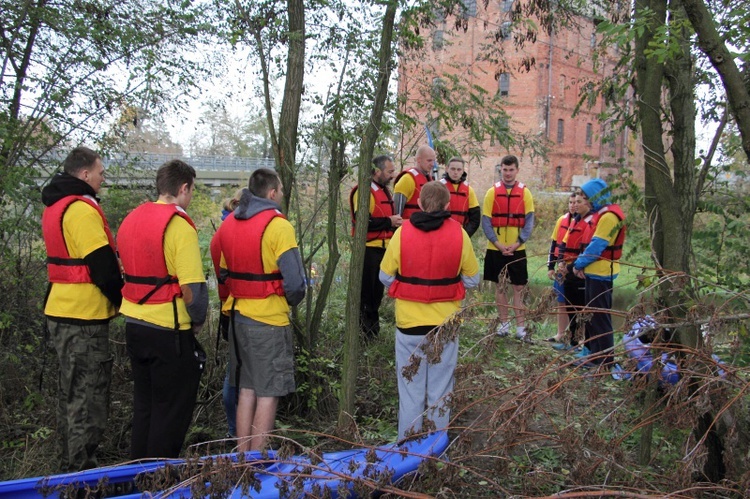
(583, 353)
(521, 333)
(561, 346)
(503, 329)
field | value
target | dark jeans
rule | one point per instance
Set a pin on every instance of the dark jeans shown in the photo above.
(166, 375)
(599, 329)
(575, 299)
(372, 293)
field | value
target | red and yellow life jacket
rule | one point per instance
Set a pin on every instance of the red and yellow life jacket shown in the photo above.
(459, 206)
(383, 208)
(420, 179)
(573, 246)
(565, 222)
(241, 242)
(435, 257)
(140, 242)
(61, 268)
(613, 251)
(509, 209)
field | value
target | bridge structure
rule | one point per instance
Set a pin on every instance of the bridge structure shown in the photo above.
(139, 169)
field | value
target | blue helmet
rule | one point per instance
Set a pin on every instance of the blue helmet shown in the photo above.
(598, 193)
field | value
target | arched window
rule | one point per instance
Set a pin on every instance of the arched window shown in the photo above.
(503, 84)
(558, 177)
(560, 131)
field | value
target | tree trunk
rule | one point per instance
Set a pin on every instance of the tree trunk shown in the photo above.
(351, 339)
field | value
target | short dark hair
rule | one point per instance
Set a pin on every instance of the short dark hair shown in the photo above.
(380, 161)
(509, 160)
(434, 196)
(262, 181)
(456, 159)
(80, 158)
(171, 175)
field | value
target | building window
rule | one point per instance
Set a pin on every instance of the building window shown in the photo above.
(503, 84)
(558, 177)
(560, 131)
(470, 8)
(506, 5)
(562, 86)
(593, 40)
(589, 134)
(504, 33)
(438, 39)
(438, 88)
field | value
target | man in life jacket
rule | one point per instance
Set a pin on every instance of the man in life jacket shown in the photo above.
(165, 299)
(409, 182)
(83, 295)
(553, 259)
(507, 221)
(574, 287)
(599, 264)
(464, 206)
(427, 267)
(380, 226)
(262, 268)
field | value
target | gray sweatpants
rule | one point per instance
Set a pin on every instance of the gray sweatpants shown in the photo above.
(426, 392)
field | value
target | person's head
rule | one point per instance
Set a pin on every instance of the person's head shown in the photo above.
(176, 179)
(265, 183)
(232, 203)
(572, 203)
(455, 169)
(425, 159)
(597, 192)
(583, 206)
(383, 169)
(509, 169)
(434, 197)
(85, 164)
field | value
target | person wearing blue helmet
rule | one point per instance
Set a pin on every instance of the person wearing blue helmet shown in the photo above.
(599, 265)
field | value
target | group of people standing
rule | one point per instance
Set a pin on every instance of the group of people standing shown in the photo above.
(418, 246)
(158, 284)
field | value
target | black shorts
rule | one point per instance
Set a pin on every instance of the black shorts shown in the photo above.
(496, 263)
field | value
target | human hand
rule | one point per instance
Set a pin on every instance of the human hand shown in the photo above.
(396, 220)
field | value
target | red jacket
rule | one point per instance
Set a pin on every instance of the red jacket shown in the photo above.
(614, 251)
(383, 209)
(140, 242)
(509, 209)
(565, 224)
(419, 180)
(241, 242)
(459, 206)
(430, 264)
(573, 247)
(61, 268)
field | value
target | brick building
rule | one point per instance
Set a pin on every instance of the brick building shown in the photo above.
(538, 85)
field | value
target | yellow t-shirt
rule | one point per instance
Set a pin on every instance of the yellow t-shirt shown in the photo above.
(607, 228)
(406, 186)
(375, 243)
(183, 257)
(83, 229)
(413, 314)
(273, 310)
(506, 235)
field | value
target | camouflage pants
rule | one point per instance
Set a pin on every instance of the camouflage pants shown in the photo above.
(83, 390)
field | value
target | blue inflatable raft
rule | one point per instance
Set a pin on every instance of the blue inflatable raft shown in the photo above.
(248, 475)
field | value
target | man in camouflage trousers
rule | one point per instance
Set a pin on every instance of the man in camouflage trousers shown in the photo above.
(84, 294)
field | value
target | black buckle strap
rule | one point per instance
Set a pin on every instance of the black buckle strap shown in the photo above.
(446, 281)
(70, 262)
(249, 276)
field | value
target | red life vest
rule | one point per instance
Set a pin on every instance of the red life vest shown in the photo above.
(573, 247)
(562, 229)
(613, 251)
(420, 179)
(383, 208)
(508, 209)
(241, 242)
(435, 257)
(140, 242)
(459, 206)
(61, 268)
(215, 249)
